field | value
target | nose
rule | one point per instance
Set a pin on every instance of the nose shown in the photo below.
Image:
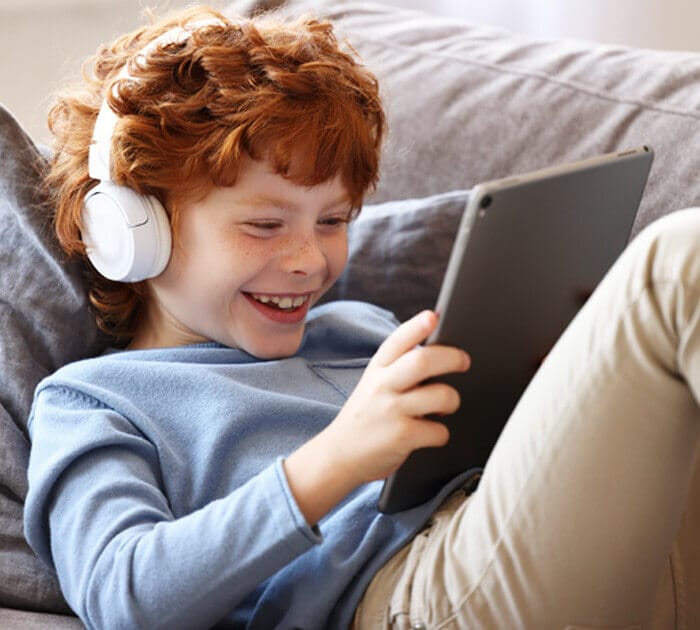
(305, 256)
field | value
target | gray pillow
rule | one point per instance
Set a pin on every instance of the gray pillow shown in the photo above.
(398, 252)
(44, 323)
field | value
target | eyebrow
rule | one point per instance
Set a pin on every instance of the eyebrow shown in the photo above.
(263, 200)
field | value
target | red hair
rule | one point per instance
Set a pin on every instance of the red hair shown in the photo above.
(190, 112)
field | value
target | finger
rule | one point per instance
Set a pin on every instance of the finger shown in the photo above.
(429, 433)
(424, 362)
(405, 337)
(430, 399)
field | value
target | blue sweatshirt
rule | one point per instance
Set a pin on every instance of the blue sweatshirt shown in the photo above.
(156, 488)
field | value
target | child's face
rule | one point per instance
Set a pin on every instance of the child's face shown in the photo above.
(252, 259)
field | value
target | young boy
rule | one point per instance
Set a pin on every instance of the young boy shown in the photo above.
(224, 467)
(182, 481)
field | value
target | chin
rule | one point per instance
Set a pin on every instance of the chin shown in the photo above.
(270, 351)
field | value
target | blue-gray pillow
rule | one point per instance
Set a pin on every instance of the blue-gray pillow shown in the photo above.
(44, 323)
(398, 252)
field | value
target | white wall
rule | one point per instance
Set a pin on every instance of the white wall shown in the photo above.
(44, 42)
(670, 24)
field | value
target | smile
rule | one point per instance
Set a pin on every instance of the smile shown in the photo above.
(281, 309)
(283, 302)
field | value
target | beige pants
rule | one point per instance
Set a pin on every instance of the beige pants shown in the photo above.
(574, 520)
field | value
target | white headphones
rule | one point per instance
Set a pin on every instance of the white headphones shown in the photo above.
(127, 235)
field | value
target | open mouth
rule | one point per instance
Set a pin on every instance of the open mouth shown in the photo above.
(282, 309)
(282, 303)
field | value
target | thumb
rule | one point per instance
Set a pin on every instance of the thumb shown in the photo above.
(406, 337)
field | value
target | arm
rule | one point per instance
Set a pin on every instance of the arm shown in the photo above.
(382, 422)
(123, 559)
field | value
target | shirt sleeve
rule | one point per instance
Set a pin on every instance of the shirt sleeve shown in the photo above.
(98, 512)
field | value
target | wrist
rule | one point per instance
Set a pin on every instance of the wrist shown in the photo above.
(316, 479)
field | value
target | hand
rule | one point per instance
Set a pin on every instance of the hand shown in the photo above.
(383, 421)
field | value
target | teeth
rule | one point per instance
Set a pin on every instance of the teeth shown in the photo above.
(281, 302)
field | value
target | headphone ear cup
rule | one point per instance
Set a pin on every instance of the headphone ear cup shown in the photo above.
(127, 235)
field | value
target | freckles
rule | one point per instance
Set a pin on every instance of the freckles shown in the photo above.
(255, 249)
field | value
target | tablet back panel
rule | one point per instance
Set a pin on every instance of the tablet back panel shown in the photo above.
(529, 252)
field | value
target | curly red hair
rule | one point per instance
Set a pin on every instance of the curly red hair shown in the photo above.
(283, 91)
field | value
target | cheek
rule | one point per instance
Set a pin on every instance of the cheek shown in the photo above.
(251, 251)
(338, 256)
(193, 266)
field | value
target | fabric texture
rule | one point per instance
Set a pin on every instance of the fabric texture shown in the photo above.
(195, 436)
(467, 103)
(14, 619)
(44, 323)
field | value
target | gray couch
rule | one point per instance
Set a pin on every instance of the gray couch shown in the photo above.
(465, 103)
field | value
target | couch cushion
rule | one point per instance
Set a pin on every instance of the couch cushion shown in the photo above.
(44, 323)
(468, 102)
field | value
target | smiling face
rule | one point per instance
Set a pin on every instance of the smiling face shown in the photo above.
(251, 260)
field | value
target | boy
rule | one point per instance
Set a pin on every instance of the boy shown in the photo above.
(187, 482)
(224, 468)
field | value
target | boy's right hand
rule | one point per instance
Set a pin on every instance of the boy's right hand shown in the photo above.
(384, 419)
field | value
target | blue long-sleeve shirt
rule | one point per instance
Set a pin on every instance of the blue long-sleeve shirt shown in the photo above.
(156, 488)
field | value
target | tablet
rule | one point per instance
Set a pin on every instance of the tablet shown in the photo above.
(529, 251)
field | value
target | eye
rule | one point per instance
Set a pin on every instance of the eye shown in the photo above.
(338, 219)
(262, 228)
(264, 225)
(334, 221)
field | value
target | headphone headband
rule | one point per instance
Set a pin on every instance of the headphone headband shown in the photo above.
(100, 151)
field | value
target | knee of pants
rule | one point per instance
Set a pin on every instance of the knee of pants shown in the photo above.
(670, 247)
